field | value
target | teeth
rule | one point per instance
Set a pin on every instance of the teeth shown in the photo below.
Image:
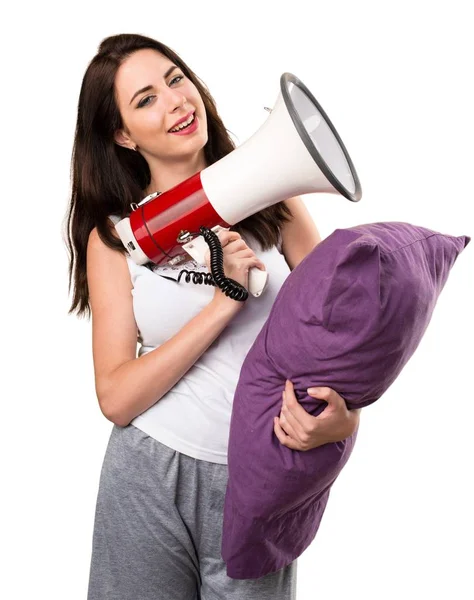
(183, 125)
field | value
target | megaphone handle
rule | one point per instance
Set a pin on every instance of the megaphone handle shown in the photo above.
(257, 281)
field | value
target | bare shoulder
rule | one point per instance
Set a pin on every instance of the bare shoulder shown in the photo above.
(100, 256)
(108, 275)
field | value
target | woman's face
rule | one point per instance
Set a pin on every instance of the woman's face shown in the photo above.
(148, 115)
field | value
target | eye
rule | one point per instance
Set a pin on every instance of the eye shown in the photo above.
(143, 102)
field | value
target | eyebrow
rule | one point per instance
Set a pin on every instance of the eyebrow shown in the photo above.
(149, 87)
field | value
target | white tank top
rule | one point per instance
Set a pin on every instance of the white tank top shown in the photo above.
(193, 417)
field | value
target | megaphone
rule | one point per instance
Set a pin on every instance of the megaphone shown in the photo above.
(296, 151)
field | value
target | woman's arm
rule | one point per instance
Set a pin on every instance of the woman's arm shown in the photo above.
(294, 427)
(126, 386)
(299, 235)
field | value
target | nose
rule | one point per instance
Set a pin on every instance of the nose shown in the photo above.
(176, 100)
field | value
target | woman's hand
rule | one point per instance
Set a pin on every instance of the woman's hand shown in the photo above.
(238, 259)
(298, 430)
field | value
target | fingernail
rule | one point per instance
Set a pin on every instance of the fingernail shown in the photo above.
(314, 390)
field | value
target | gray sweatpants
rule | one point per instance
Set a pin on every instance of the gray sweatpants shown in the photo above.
(158, 528)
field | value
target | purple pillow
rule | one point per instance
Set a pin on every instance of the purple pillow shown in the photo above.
(348, 317)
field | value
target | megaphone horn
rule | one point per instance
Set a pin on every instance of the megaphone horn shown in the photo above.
(296, 151)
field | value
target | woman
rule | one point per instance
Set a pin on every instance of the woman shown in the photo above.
(157, 530)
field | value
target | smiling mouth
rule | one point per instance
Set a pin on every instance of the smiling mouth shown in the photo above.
(180, 127)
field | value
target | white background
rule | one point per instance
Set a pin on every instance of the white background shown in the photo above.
(396, 80)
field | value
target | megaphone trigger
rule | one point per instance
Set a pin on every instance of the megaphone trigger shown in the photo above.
(196, 249)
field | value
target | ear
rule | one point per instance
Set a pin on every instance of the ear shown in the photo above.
(122, 139)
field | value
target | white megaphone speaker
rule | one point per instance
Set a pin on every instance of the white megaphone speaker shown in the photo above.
(296, 151)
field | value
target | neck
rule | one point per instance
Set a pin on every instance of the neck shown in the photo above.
(166, 175)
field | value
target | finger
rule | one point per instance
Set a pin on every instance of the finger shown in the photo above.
(285, 423)
(304, 419)
(229, 243)
(290, 423)
(283, 438)
(244, 253)
(225, 236)
(238, 243)
(327, 394)
(236, 246)
(259, 264)
(249, 260)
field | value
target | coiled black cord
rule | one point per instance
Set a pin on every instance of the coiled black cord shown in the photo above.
(231, 288)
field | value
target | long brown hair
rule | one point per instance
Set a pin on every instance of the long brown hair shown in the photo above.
(107, 178)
